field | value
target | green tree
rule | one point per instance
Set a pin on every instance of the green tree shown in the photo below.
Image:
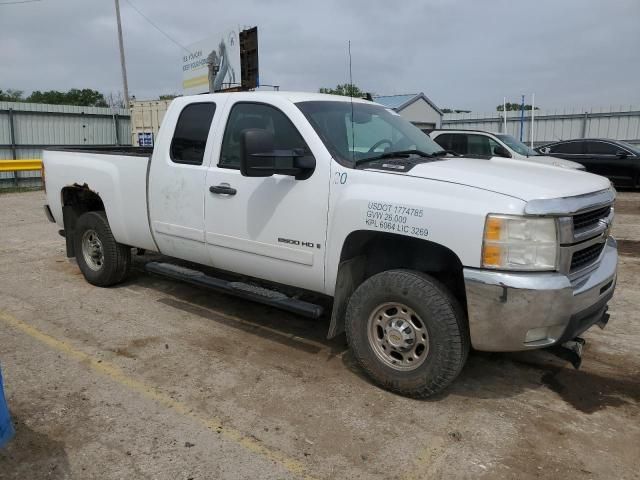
(514, 107)
(347, 90)
(85, 97)
(169, 96)
(11, 95)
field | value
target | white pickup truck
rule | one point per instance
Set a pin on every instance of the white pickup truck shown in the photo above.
(424, 254)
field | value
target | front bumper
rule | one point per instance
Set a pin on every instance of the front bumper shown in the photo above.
(520, 311)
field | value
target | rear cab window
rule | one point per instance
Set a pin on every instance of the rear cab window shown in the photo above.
(191, 132)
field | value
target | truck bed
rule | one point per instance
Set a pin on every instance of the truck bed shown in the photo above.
(117, 174)
(106, 150)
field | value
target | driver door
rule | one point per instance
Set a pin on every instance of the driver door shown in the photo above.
(274, 227)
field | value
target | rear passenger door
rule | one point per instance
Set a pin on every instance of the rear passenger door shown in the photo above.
(177, 182)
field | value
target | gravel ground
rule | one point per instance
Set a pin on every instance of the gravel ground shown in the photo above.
(157, 379)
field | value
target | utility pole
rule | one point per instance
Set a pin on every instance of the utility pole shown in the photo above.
(522, 119)
(533, 110)
(504, 114)
(122, 62)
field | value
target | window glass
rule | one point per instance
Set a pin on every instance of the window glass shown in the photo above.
(602, 148)
(190, 135)
(516, 145)
(245, 116)
(460, 143)
(376, 135)
(568, 147)
(479, 145)
(362, 130)
(635, 149)
(445, 141)
(493, 145)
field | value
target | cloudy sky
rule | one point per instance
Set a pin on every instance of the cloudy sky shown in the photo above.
(461, 53)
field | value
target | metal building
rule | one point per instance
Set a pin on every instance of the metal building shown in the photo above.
(27, 128)
(415, 107)
(619, 123)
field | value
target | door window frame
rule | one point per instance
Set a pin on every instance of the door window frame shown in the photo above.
(244, 102)
(175, 127)
(583, 141)
(615, 146)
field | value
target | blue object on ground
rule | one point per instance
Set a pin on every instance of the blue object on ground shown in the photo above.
(6, 427)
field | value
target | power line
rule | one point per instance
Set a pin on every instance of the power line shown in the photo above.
(21, 1)
(153, 25)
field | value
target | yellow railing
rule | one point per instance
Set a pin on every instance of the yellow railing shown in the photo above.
(20, 165)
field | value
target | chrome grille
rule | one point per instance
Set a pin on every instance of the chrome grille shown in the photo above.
(583, 227)
(586, 256)
(587, 220)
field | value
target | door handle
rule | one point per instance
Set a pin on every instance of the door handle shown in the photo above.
(223, 189)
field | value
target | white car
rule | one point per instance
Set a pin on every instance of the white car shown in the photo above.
(424, 254)
(487, 144)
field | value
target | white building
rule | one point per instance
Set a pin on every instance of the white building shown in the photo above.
(415, 107)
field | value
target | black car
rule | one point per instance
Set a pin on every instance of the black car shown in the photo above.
(619, 161)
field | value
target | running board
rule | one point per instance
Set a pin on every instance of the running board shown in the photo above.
(239, 289)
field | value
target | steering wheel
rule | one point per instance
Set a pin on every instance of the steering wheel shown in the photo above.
(378, 143)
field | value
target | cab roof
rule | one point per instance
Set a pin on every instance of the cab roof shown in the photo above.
(293, 97)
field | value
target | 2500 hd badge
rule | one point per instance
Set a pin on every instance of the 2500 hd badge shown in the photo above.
(396, 218)
(291, 241)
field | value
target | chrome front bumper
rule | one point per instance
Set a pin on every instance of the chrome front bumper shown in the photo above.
(520, 311)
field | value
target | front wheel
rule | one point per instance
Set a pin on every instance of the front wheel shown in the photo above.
(407, 332)
(101, 259)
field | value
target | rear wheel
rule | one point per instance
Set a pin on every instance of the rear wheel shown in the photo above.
(407, 332)
(101, 259)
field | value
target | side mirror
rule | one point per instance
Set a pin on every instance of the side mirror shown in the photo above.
(621, 154)
(500, 151)
(259, 158)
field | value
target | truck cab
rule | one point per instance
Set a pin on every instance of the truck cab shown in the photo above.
(424, 254)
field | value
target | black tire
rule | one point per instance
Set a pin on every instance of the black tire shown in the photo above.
(445, 321)
(116, 258)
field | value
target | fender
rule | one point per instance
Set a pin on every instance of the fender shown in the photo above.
(368, 252)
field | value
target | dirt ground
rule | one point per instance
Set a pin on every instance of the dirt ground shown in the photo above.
(157, 379)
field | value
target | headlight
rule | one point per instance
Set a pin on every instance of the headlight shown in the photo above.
(519, 243)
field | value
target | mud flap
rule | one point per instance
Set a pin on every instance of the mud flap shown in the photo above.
(69, 218)
(350, 275)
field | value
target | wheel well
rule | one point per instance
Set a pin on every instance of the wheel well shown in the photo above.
(77, 200)
(366, 253)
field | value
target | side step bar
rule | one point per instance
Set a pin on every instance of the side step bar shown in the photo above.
(239, 289)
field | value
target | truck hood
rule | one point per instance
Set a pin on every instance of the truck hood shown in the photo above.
(518, 179)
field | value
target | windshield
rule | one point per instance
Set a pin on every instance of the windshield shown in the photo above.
(517, 145)
(373, 130)
(631, 146)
